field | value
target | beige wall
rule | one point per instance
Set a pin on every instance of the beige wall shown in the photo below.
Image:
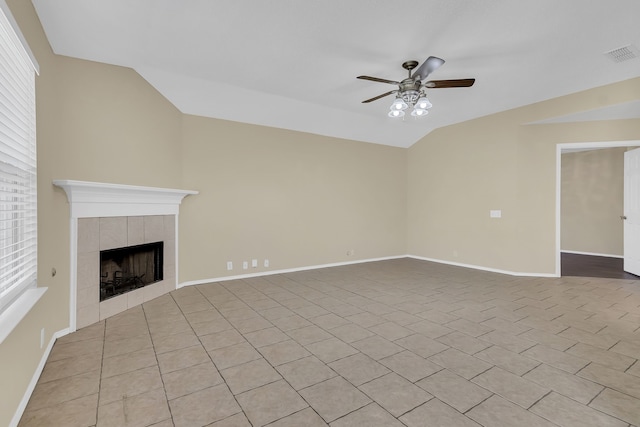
(453, 183)
(592, 201)
(88, 116)
(293, 198)
(458, 173)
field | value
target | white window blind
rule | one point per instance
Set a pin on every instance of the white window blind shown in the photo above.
(18, 210)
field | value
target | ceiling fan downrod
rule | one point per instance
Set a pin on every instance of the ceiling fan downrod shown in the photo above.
(409, 65)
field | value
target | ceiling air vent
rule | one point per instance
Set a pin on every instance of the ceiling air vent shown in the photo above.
(623, 53)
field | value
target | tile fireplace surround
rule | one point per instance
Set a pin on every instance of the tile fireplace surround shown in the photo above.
(100, 234)
(108, 216)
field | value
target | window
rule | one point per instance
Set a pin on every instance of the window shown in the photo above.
(18, 226)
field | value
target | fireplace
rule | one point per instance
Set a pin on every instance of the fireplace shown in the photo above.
(123, 262)
(106, 217)
(126, 269)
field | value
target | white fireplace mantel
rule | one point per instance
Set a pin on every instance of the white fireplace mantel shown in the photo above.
(97, 199)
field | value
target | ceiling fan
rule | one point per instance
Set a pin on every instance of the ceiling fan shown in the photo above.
(411, 91)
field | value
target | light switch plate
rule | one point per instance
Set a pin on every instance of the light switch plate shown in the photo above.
(495, 213)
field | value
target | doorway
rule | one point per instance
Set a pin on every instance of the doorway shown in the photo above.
(573, 264)
(565, 148)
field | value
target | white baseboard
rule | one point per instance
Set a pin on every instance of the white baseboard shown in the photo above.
(338, 264)
(479, 267)
(592, 254)
(36, 376)
(287, 270)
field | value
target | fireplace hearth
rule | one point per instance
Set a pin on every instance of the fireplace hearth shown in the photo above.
(125, 269)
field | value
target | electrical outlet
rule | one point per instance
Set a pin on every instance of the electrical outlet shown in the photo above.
(229, 265)
(266, 263)
(245, 265)
(254, 263)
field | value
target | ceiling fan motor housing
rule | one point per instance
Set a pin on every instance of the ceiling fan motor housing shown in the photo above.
(409, 90)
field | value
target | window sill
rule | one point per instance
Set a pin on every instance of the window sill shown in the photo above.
(14, 314)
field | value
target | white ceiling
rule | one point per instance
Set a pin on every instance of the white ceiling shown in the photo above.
(292, 64)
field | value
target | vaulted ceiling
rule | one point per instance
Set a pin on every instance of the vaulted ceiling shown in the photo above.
(293, 64)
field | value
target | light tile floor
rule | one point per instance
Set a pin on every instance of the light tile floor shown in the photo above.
(391, 343)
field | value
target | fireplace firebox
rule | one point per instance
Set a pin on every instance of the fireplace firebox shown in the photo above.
(125, 269)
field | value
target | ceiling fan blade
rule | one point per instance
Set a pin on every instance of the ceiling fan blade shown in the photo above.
(429, 66)
(378, 79)
(379, 96)
(438, 84)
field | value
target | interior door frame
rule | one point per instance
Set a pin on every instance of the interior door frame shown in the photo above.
(568, 147)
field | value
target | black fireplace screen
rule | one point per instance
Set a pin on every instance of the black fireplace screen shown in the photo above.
(125, 269)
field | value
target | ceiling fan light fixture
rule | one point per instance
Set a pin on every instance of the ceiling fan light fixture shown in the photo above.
(419, 112)
(396, 113)
(410, 96)
(398, 105)
(424, 103)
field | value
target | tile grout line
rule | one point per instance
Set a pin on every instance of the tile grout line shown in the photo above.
(146, 319)
(596, 409)
(210, 358)
(104, 339)
(282, 378)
